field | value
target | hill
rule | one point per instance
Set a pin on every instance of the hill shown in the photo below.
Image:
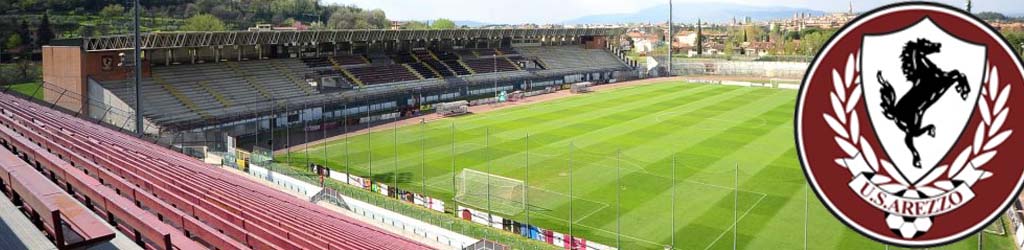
(690, 12)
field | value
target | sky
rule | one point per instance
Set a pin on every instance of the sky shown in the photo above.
(555, 11)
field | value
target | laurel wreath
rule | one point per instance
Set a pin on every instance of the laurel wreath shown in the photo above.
(845, 122)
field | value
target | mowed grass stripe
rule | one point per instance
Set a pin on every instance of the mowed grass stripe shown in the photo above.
(383, 156)
(708, 127)
(660, 132)
(663, 167)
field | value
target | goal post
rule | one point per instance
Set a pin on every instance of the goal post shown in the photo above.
(506, 194)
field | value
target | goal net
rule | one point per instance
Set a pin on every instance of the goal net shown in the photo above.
(506, 194)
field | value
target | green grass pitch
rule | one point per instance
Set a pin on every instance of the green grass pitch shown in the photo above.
(708, 129)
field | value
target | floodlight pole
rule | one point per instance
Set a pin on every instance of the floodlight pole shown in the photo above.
(287, 135)
(348, 162)
(495, 70)
(138, 73)
(423, 173)
(735, 204)
(454, 191)
(570, 192)
(487, 151)
(394, 133)
(369, 148)
(305, 131)
(526, 184)
(618, 201)
(673, 211)
(323, 128)
(670, 38)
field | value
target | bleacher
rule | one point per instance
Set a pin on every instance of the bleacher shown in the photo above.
(572, 57)
(423, 70)
(488, 65)
(331, 61)
(427, 57)
(166, 200)
(63, 219)
(208, 90)
(383, 74)
(181, 94)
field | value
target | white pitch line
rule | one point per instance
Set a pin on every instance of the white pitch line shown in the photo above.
(737, 221)
(602, 230)
(603, 206)
(724, 187)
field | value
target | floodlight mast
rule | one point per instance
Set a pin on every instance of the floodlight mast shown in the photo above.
(138, 74)
(669, 38)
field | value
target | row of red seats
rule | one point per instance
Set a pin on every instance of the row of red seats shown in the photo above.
(383, 74)
(182, 190)
(133, 221)
(489, 65)
(66, 221)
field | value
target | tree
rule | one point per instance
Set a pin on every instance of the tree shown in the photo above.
(355, 18)
(343, 19)
(288, 22)
(700, 39)
(44, 34)
(112, 10)
(415, 25)
(442, 23)
(86, 30)
(991, 16)
(813, 41)
(12, 41)
(24, 33)
(203, 22)
(377, 19)
(1015, 39)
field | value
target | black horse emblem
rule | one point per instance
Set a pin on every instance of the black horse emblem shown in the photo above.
(928, 81)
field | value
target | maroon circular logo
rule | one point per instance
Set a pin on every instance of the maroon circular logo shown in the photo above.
(906, 124)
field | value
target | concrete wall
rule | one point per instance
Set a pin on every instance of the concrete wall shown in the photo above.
(102, 66)
(112, 110)
(596, 42)
(64, 68)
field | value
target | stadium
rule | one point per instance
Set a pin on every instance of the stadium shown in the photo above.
(470, 138)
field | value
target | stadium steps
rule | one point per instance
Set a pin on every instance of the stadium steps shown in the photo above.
(470, 69)
(346, 73)
(513, 63)
(302, 85)
(431, 52)
(542, 64)
(365, 59)
(220, 98)
(181, 97)
(249, 80)
(407, 67)
(432, 69)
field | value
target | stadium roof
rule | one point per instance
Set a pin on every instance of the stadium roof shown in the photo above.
(170, 40)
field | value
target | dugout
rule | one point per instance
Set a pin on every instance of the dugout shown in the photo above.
(582, 87)
(452, 108)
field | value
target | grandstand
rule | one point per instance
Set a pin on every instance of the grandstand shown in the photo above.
(199, 80)
(238, 84)
(159, 198)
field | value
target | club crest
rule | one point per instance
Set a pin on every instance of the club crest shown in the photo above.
(905, 124)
